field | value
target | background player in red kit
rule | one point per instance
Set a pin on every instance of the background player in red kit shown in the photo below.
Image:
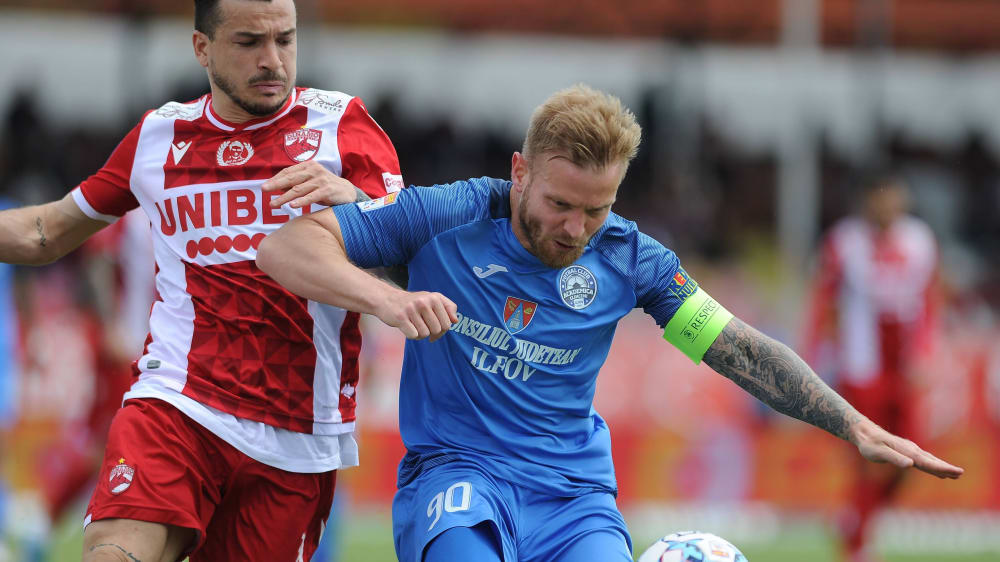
(874, 302)
(243, 403)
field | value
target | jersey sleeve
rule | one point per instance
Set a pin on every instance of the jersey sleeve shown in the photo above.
(391, 230)
(107, 195)
(691, 319)
(368, 158)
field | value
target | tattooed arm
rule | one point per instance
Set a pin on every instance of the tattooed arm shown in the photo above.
(41, 234)
(781, 379)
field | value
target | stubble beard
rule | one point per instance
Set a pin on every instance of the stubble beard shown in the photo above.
(533, 230)
(260, 109)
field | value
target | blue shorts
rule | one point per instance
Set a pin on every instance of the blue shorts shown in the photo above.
(530, 526)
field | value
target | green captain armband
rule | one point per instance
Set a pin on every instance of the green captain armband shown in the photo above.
(696, 324)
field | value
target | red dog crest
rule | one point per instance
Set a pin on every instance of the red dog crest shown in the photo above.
(517, 314)
(302, 144)
(121, 477)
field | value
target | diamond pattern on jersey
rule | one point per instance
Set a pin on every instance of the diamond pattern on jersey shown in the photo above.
(350, 348)
(251, 353)
(201, 152)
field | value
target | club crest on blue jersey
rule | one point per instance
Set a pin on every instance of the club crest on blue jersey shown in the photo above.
(517, 314)
(577, 287)
(682, 286)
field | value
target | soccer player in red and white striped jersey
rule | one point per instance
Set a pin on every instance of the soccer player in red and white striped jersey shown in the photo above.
(242, 407)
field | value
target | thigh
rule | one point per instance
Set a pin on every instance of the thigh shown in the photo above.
(268, 514)
(156, 469)
(588, 527)
(477, 543)
(452, 495)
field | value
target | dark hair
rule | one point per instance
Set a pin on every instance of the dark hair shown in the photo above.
(207, 17)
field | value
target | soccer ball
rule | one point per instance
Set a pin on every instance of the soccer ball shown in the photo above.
(692, 546)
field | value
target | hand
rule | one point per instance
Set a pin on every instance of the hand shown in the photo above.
(878, 445)
(309, 182)
(419, 315)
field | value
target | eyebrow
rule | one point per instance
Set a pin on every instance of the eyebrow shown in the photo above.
(252, 35)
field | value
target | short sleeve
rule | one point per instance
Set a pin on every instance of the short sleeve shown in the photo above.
(369, 160)
(658, 272)
(691, 319)
(107, 195)
(390, 230)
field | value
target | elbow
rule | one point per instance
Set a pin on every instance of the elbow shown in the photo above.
(267, 255)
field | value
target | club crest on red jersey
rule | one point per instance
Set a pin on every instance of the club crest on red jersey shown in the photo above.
(121, 477)
(517, 314)
(234, 153)
(302, 144)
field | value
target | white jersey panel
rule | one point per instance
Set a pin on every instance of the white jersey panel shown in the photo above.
(327, 323)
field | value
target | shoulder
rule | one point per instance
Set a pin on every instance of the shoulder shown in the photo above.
(619, 233)
(325, 101)
(626, 247)
(178, 111)
(483, 196)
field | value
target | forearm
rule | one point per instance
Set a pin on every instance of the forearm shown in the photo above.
(22, 236)
(308, 258)
(40, 234)
(778, 377)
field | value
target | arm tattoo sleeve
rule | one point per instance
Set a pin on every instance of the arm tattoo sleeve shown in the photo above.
(778, 377)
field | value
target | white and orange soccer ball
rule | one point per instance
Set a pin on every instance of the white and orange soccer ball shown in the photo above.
(692, 546)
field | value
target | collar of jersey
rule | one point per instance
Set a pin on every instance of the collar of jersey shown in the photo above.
(252, 124)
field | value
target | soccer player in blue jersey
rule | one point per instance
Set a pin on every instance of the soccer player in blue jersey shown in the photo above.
(515, 291)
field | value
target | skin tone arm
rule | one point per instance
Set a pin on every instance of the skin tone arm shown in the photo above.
(41, 234)
(778, 377)
(307, 256)
(310, 182)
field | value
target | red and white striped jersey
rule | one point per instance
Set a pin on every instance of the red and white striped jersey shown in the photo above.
(221, 331)
(873, 296)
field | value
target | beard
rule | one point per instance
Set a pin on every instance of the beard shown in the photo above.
(257, 109)
(533, 230)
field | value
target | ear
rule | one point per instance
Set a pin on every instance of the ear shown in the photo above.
(201, 43)
(519, 171)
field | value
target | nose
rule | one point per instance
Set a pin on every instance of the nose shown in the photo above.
(575, 225)
(269, 58)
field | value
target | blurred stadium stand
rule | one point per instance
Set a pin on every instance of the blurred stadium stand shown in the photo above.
(757, 130)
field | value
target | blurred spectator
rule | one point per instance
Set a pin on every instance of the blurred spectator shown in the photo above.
(873, 311)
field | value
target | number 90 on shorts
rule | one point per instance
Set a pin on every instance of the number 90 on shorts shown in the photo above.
(458, 497)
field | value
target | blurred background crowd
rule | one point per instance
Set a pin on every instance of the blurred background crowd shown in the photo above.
(763, 120)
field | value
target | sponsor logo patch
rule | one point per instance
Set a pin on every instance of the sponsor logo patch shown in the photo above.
(517, 314)
(682, 286)
(302, 144)
(393, 182)
(121, 477)
(577, 287)
(374, 204)
(234, 153)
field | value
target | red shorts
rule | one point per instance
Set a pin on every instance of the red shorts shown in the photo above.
(163, 467)
(885, 400)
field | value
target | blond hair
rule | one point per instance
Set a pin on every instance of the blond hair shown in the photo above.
(589, 127)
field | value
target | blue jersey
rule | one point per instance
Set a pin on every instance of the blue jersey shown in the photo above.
(511, 386)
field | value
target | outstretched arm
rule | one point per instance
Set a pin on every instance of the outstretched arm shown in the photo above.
(307, 255)
(781, 379)
(41, 234)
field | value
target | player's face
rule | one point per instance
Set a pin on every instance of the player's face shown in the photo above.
(251, 59)
(560, 205)
(886, 204)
